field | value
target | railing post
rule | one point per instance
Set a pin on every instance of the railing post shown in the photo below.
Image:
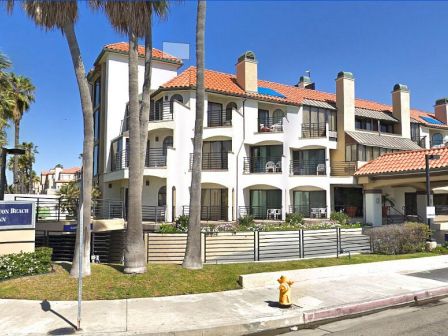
(205, 247)
(156, 210)
(302, 245)
(37, 211)
(338, 241)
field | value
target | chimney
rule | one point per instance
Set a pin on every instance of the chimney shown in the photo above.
(441, 110)
(345, 102)
(305, 83)
(246, 72)
(401, 109)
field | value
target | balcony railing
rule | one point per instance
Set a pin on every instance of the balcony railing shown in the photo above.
(270, 125)
(217, 118)
(213, 161)
(315, 130)
(311, 167)
(421, 141)
(163, 112)
(343, 168)
(209, 212)
(310, 211)
(155, 157)
(272, 164)
(261, 212)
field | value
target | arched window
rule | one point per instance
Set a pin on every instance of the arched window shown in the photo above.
(161, 198)
(277, 116)
(177, 97)
(229, 111)
(167, 142)
(437, 139)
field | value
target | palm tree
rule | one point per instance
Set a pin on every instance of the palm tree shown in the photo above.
(135, 20)
(63, 15)
(25, 166)
(22, 92)
(193, 258)
(6, 100)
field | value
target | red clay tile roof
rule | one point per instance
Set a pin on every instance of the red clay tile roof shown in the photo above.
(72, 170)
(226, 83)
(123, 47)
(417, 116)
(406, 161)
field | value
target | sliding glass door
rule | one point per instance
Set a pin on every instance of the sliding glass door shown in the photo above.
(263, 200)
(307, 203)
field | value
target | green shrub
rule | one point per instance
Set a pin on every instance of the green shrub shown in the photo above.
(440, 250)
(399, 239)
(340, 217)
(294, 219)
(246, 221)
(182, 223)
(25, 263)
(168, 228)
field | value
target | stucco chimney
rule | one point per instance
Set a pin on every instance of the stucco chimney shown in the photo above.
(305, 83)
(345, 101)
(246, 72)
(401, 109)
(441, 110)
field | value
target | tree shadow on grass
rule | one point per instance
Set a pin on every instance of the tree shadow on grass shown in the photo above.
(67, 266)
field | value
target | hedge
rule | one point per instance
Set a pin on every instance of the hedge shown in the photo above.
(25, 263)
(399, 239)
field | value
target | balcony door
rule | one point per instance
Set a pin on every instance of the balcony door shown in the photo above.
(214, 203)
(215, 115)
(306, 201)
(263, 200)
(262, 157)
(215, 154)
(308, 162)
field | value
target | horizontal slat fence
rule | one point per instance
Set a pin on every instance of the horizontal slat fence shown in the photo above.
(231, 247)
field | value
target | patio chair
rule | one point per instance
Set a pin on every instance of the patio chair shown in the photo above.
(278, 166)
(315, 212)
(323, 212)
(277, 213)
(320, 169)
(270, 167)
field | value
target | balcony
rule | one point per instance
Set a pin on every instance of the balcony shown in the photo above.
(343, 168)
(315, 130)
(261, 212)
(213, 161)
(269, 124)
(218, 118)
(155, 158)
(209, 212)
(421, 141)
(271, 164)
(164, 112)
(312, 167)
(310, 211)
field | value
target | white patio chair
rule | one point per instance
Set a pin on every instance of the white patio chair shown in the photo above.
(270, 167)
(323, 212)
(278, 166)
(320, 169)
(315, 212)
(277, 213)
(270, 213)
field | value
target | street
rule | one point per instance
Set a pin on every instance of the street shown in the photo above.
(430, 319)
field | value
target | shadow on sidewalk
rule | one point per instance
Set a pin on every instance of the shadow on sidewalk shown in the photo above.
(46, 307)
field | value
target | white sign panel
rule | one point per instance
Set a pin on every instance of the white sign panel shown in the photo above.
(430, 212)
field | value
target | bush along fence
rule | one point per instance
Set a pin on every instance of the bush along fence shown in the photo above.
(230, 247)
(25, 263)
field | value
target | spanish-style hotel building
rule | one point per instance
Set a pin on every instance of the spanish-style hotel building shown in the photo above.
(269, 148)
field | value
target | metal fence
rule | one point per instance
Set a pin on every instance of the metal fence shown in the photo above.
(231, 247)
(213, 161)
(314, 130)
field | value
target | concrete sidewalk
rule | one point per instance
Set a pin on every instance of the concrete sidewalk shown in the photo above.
(235, 312)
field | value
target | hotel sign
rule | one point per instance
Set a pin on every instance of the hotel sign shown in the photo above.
(17, 215)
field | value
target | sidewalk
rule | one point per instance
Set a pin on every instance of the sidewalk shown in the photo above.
(350, 290)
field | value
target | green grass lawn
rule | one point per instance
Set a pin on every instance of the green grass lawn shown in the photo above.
(108, 282)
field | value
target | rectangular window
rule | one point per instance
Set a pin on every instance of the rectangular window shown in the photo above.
(96, 159)
(214, 114)
(97, 93)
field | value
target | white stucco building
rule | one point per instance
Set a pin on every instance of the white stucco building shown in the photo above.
(269, 148)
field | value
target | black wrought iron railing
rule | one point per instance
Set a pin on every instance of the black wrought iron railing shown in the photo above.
(155, 157)
(213, 161)
(419, 140)
(161, 112)
(441, 210)
(210, 212)
(151, 213)
(309, 167)
(343, 168)
(269, 124)
(273, 212)
(218, 118)
(314, 130)
(271, 164)
(310, 211)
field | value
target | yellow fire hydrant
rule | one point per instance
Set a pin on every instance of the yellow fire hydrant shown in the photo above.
(285, 292)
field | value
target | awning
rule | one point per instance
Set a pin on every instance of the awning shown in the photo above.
(383, 140)
(360, 112)
(318, 103)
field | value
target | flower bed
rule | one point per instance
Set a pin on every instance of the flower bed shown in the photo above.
(25, 263)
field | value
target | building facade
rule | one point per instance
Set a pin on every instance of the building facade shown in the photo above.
(269, 149)
(52, 180)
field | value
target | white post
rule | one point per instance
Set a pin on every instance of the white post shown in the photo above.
(80, 250)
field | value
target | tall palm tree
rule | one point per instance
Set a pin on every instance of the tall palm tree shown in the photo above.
(6, 99)
(135, 20)
(63, 15)
(193, 258)
(22, 91)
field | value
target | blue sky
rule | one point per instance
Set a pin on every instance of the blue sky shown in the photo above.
(382, 43)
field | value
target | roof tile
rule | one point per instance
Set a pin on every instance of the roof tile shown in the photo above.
(156, 53)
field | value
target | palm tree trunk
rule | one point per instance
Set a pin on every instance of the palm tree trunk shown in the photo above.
(193, 258)
(87, 152)
(16, 157)
(146, 98)
(134, 251)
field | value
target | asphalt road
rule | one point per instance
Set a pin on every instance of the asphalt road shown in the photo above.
(422, 320)
(425, 320)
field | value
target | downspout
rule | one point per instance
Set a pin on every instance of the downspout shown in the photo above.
(237, 160)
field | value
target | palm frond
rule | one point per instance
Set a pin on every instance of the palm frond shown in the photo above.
(51, 14)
